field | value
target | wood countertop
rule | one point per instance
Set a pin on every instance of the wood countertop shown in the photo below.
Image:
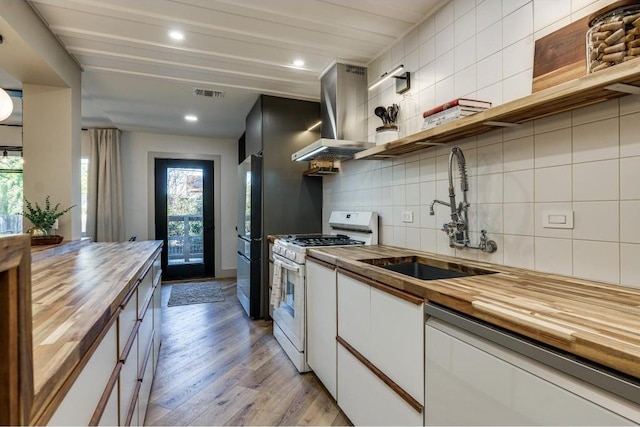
(75, 294)
(599, 322)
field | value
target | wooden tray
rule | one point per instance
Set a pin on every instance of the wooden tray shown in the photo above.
(46, 240)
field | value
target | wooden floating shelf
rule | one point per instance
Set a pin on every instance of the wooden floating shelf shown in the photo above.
(588, 90)
(321, 171)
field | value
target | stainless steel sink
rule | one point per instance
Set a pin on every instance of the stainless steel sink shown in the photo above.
(426, 268)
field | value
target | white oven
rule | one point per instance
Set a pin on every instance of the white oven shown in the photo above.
(289, 278)
(289, 315)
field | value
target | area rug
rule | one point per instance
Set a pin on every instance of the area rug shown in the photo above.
(195, 293)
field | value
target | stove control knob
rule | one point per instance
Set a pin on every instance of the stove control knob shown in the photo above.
(290, 254)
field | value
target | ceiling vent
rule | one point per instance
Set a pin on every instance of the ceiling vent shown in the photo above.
(208, 93)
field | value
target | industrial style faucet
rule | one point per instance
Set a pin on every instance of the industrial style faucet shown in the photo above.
(458, 228)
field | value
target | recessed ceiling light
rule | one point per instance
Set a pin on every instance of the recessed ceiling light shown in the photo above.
(191, 118)
(298, 62)
(176, 35)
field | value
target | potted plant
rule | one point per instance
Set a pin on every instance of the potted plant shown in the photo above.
(43, 219)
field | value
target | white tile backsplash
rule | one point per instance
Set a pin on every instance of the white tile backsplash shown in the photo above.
(488, 12)
(489, 41)
(629, 265)
(596, 141)
(518, 218)
(629, 135)
(519, 186)
(554, 255)
(629, 216)
(517, 24)
(553, 184)
(586, 161)
(596, 221)
(596, 260)
(629, 178)
(596, 181)
(552, 148)
(546, 12)
(518, 251)
(518, 154)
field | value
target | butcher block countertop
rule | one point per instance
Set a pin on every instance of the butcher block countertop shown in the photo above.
(597, 321)
(75, 294)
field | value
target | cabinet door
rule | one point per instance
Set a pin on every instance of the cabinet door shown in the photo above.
(322, 324)
(157, 324)
(397, 341)
(81, 400)
(367, 400)
(129, 381)
(354, 313)
(486, 389)
(253, 133)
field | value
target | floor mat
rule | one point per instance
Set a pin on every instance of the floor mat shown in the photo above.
(195, 293)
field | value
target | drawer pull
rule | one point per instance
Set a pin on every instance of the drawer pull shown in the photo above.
(388, 381)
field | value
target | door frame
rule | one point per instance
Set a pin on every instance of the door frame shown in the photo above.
(205, 268)
(217, 188)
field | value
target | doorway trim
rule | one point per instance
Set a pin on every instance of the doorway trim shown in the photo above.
(217, 211)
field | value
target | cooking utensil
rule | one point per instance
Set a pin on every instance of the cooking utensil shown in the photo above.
(382, 113)
(392, 113)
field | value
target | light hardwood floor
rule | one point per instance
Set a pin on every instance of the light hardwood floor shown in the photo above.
(217, 367)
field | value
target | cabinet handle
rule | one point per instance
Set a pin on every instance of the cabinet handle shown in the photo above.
(130, 341)
(383, 287)
(322, 263)
(385, 379)
(106, 394)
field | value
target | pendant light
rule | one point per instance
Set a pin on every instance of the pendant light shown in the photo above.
(6, 105)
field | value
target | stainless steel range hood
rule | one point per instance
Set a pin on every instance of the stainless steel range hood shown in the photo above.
(343, 110)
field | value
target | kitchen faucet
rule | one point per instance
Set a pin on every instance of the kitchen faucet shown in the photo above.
(458, 228)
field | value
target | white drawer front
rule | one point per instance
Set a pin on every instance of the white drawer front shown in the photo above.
(397, 341)
(367, 400)
(126, 321)
(79, 404)
(354, 313)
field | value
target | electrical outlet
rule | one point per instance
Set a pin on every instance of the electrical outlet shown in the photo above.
(407, 216)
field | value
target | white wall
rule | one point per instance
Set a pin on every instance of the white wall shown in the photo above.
(587, 161)
(138, 152)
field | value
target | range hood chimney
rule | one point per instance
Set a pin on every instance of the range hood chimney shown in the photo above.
(343, 110)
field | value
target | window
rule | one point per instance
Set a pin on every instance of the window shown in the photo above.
(11, 191)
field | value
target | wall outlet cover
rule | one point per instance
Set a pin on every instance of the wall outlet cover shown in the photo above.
(557, 219)
(407, 216)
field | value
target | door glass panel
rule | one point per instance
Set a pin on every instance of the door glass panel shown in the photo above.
(184, 215)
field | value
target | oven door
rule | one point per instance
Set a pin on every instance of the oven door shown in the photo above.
(290, 313)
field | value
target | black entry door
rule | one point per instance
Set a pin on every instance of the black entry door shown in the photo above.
(184, 217)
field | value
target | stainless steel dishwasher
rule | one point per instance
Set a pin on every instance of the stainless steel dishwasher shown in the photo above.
(477, 374)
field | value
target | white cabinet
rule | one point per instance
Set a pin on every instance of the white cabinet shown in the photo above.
(488, 384)
(322, 323)
(381, 353)
(367, 400)
(81, 400)
(115, 384)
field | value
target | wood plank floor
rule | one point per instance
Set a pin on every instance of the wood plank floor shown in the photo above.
(217, 367)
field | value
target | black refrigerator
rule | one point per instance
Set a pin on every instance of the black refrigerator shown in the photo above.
(274, 197)
(249, 233)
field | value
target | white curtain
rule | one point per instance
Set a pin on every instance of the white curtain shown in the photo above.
(105, 219)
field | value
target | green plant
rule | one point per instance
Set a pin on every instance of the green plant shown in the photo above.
(43, 218)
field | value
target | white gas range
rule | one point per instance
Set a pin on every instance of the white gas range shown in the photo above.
(289, 277)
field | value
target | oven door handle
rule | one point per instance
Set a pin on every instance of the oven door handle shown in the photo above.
(286, 265)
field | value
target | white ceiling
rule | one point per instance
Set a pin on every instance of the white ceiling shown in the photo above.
(137, 78)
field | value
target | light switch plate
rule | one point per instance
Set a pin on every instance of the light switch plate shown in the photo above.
(407, 216)
(557, 219)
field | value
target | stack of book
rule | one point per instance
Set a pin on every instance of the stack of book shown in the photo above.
(460, 107)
